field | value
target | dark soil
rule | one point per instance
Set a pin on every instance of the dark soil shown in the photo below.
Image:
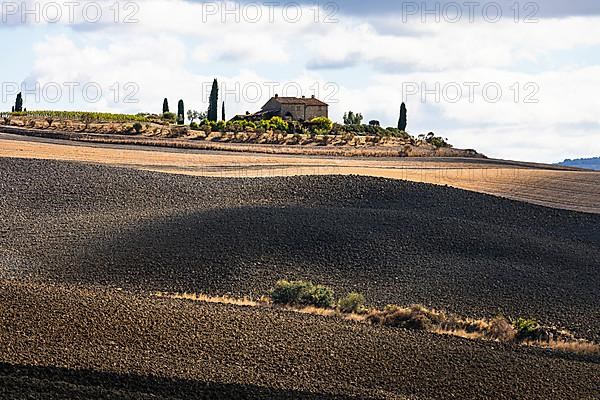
(59, 342)
(395, 241)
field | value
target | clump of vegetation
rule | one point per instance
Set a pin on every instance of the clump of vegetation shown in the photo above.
(137, 127)
(527, 329)
(353, 303)
(413, 317)
(82, 116)
(500, 328)
(306, 297)
(436, 141)
(301, 293)
(351, 118)
(169, 116)
(321, 126)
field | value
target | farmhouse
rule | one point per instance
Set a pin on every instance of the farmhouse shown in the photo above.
(293, 108)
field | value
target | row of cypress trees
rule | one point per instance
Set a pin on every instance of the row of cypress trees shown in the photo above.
(213, 107)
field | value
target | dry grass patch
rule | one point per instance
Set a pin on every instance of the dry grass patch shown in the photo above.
(243, 302)
(577, 346)
(294, 296)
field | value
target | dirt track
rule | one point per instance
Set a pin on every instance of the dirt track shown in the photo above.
(81, 343)
(538, 184)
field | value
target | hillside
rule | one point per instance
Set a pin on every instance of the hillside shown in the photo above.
(547, 185)
(395, 241)
(75, 343)
(587, 163)
(83, 247)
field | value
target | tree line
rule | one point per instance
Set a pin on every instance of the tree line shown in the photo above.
(212, 114)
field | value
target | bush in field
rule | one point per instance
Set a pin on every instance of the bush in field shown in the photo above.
(500, 328)
(526, 329)
(137, 127)
(169, 116)
(219, 126)
(435, 140)
(413, 317)
(194, 126)
(395, 132)
(240, 126)
(352, 303)
(279, 124)
(322, 123)
(264, 125)
(300, 293)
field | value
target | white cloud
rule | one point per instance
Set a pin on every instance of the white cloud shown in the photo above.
(161, 52)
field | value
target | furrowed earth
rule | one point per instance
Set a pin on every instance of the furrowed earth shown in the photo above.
(82, 247)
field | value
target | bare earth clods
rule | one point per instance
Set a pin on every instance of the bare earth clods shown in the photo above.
(398, 242)
(83, 343)
(71, 234)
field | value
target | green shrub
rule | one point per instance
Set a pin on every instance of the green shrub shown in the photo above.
(169, 116)
(194, 126)
(526, 328)
(137, 127)
(322, 124)
(264, 125)
(352, 303)
(279, 124)
(300, 293)
(414, 317)
(219, 126)
(320, 296)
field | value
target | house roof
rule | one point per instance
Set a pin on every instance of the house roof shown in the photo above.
(307, 101)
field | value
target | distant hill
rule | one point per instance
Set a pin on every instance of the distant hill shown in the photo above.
(588, 163)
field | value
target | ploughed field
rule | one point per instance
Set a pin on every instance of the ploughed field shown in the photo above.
(82, 247)
(75, 343)
(547, 185)
(395, 241)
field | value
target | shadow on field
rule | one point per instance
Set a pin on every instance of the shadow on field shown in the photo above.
(395, 241)
(18, 381)
(456, 263)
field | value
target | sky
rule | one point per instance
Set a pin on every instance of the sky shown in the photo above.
(511, 80)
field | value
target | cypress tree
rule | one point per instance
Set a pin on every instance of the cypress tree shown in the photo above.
(213, 108)
(180, 113)
(402, 120)
(223, 112)
(165, 106)
(19, 103)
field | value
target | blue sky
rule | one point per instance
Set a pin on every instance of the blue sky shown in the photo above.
(365, 58)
